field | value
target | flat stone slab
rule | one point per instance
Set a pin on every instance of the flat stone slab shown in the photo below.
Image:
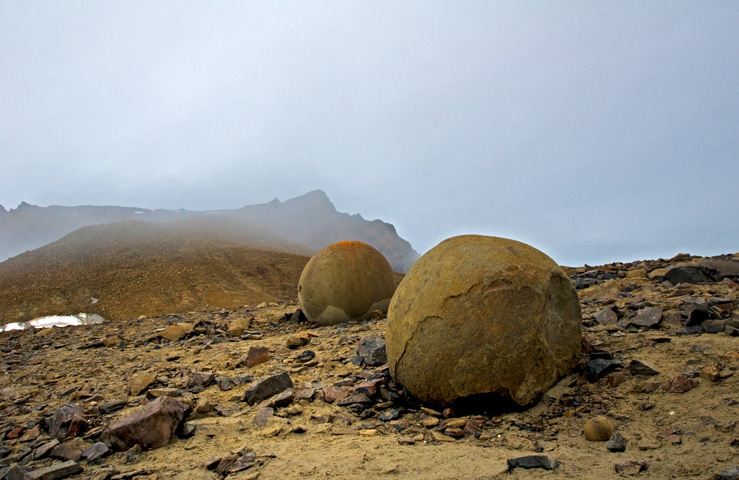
(533, 461)
(56, 471)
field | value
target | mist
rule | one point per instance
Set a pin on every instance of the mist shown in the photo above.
(595, 132)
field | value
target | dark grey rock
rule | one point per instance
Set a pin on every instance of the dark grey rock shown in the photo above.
(305, 356)
(242, 463)
(714, 326)
(583, 282)
(533, 461)
(696, 314)
(353, 399)
(67, 421)
(56, 471)
(95, 451)
(598, 367)
(201, 380)
(728, 474)
(113, 405)
(45, 449)
(691, 274)
(617, 443)
(299, 317)
(389, 415)
(282, 399)
(607, 316)
(637, 367)
(66, 451)
(722, 268)
(267, 387)
(151, 426)
(631, 467)
(647, 317)
(13, 472)
(186, 430)
(263, 416)
(372, 350)
(224, 383)
(225, 463)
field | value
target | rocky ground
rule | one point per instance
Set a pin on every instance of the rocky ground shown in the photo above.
(259, 393)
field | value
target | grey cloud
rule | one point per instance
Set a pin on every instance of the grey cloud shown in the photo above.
(596, 132)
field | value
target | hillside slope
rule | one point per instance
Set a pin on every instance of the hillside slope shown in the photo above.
(132, 268)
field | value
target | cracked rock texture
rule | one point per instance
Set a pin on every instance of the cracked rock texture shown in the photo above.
(483, 322)
(346, 281)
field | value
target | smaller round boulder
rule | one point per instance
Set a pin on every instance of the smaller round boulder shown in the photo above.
(346, 281)
(598, 429)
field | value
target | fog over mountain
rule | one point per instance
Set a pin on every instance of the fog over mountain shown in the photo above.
(310, 220)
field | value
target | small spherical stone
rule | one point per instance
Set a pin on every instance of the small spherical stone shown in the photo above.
(483, 323)
(346, 281)
(598, 429)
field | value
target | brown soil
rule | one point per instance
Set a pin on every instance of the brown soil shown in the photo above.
(678, 435)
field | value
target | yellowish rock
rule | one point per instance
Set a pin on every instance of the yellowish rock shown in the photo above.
(238, 326)
(430, 422)
(140, 382)
(272, 431)
(598, 429)
(485, 322)
(175, 331)
(346, 281)
(636, 273)
(658, 272)
(607, 288)
(45, 332)
(440, 437)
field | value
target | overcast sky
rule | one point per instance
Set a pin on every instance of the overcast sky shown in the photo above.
(595, 131)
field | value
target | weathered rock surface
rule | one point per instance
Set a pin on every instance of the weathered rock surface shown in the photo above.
(140, 382)
(728, 474)
(267, 387)
(485, 321)
(647, 317)
(68, 421)
(372, 351)
(598, 429)
(617, 443)
(344, 282)
(151, 426)
(533, 461)
(56, 471)
(637, 367)
(256, 356)
(632, 467)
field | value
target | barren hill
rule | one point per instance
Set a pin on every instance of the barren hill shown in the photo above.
(133, 268)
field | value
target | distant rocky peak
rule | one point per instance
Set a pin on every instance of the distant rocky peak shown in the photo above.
(315, 200)
(2, 209)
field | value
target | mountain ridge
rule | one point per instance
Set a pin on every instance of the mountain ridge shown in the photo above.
(310, 220)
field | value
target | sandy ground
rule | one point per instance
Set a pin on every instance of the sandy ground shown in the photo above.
(678, 435)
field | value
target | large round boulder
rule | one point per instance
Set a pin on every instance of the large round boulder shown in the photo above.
(483, 323)
(346, 281)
